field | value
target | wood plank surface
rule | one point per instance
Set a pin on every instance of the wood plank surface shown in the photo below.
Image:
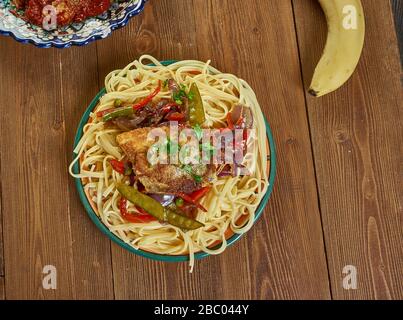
(152, 33)
(91, 249)
(283, 255)
(397, 6)
(36, 223)
(44, 223)
(285, 250)
(337, 199)
(356, 135)
(1, 230)
(2, 290)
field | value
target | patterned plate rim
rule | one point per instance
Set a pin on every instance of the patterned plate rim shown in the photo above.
(79, 42)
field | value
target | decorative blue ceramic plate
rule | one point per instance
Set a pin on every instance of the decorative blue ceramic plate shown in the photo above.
(160, 257)
(77, 34)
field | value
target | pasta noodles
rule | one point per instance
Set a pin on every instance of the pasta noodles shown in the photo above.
(232, 201)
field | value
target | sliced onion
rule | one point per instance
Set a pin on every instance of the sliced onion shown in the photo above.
(223, 174)
(164, 199)
(173, 86)
(227, 171)
(245, 114)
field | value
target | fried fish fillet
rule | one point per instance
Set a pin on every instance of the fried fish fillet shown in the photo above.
(161, 178)
(136, 141)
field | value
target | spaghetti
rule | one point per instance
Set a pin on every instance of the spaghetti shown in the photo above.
(232, 201)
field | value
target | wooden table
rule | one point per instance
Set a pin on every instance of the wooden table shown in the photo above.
(338, 195)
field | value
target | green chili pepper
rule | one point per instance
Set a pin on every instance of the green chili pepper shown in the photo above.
(154, 208)
(183, 222)
(119, 112)
(196, 109)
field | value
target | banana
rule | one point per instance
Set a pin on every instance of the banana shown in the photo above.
(345, 40)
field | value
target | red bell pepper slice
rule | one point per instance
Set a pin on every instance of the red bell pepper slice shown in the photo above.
(148, 99)
(229, 121)
(100, 114)
(136, 106)
(188, 199)
(176, 116)
(169, 106)
(118, 166)
(198, 194)
(143, 217)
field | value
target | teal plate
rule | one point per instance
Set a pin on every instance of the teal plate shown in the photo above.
(160, 257)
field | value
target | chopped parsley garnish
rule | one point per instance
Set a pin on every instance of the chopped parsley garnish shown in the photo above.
(197, 178)
(188, 168)
(165, 84)
(178, 96)
(181, 94)
(178, 101)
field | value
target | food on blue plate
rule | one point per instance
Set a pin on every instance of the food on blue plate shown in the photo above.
(67, 11)
(173, 159)
(160, 178)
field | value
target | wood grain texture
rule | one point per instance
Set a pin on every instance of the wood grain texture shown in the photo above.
(152, 33)
(284, 252)
(356, 134)
(397, 6)
(283, 255)
(36, 223)
(2, 289)
(44, 223)
(356, 153)
(91, 249)
(1, 230)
